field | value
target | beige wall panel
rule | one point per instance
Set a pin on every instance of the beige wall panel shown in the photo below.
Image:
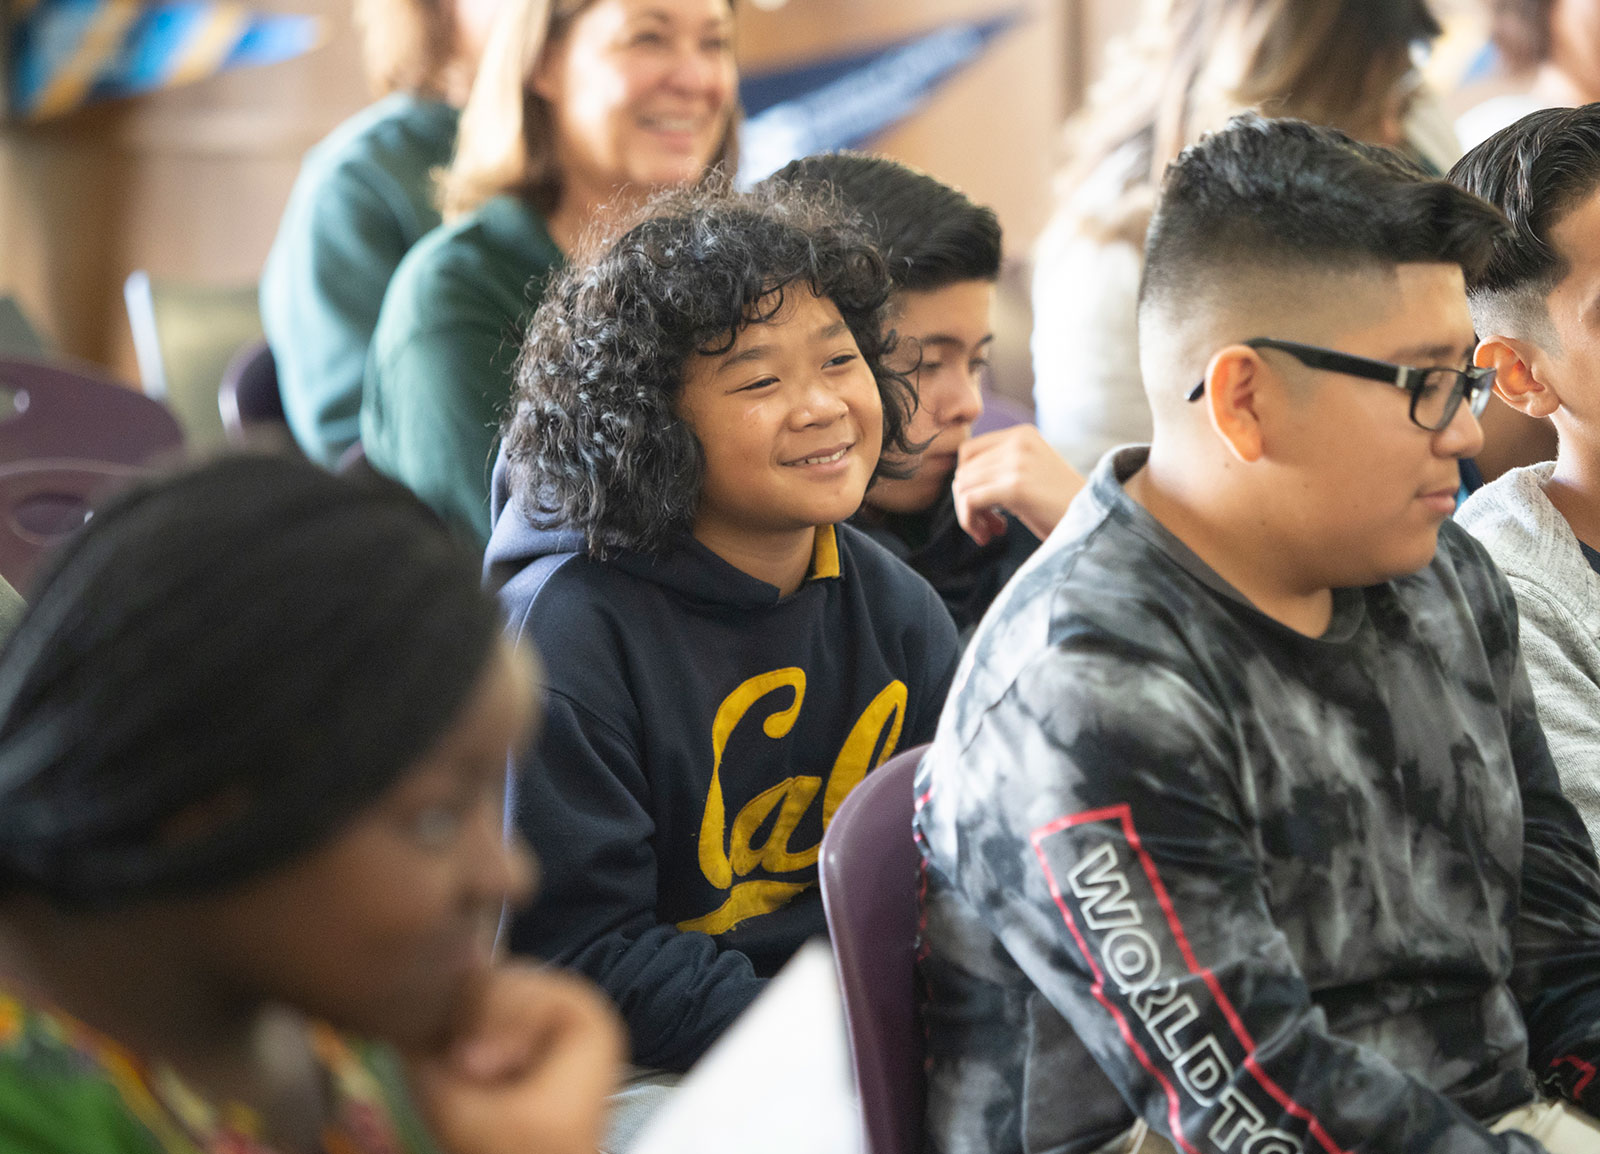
(188, 184)
(993, 129)
(1103, 21)
(58, 227)
(990, 130)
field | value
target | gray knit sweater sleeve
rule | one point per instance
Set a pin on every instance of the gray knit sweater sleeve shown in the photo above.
(1558, 603)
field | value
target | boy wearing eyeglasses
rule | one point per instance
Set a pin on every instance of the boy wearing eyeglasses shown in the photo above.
(1535, 306)
(1240, 831)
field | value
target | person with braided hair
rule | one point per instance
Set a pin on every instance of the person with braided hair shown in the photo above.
(253, 730)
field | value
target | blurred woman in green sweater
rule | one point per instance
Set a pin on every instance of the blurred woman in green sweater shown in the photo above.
(580, 106)
(364, 196)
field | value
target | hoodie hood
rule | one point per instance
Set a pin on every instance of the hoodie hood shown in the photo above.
(513, 542)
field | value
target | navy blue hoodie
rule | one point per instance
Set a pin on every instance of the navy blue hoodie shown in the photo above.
(966, 575)
(699, 732)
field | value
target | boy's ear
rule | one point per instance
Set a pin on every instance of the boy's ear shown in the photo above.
(1233, 383)
(1514, 382)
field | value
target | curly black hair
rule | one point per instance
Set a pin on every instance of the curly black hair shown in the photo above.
(593, 440)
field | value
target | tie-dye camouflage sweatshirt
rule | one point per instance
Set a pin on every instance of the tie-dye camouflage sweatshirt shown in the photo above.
(1273, 893)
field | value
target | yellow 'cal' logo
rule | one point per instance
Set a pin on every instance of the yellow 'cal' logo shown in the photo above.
(722, 859)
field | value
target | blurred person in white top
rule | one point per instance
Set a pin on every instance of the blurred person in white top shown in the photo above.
(1549, 53)
(1185, 69)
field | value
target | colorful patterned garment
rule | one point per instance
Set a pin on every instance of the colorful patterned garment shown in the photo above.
(66, 1089)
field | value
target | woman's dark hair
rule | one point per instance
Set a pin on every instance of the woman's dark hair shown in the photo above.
(1190, 64)
(219, 670)
(594, 442)
(930, 234)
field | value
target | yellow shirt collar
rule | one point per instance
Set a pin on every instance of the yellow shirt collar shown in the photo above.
(824, 554)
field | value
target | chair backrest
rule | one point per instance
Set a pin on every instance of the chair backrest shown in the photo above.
(66, 436)
(50, 410)
(184, 335)
(43, 503)
(869, 871)
(249, 397)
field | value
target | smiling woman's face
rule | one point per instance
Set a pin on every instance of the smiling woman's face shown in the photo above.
(381, 929)
(640, 91)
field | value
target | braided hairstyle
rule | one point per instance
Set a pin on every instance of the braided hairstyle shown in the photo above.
(220, 670)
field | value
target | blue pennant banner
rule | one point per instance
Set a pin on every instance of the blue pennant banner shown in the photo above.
(845, 101)
(63, 54)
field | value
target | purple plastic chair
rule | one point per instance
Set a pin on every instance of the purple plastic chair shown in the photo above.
(869, 872)
(42, 503)
(67, 436)
(249, 399)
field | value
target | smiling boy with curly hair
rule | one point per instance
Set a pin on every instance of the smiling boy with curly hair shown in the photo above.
(696, 412)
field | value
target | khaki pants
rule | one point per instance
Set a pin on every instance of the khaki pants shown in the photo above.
(1563, 1129)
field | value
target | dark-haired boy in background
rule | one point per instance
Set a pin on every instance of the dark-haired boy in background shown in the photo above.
(1240, 830)
(695, 412)
(974, 508)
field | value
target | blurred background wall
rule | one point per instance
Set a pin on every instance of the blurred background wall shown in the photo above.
(189, 183)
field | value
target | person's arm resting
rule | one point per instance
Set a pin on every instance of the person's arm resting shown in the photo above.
(448, 387)
(320, 298)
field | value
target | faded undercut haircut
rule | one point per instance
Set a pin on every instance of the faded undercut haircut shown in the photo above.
(594, 442)
(1535, 172)
(931, 235)
(1264, 199)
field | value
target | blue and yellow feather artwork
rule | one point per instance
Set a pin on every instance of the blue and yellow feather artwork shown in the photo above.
(60, 55)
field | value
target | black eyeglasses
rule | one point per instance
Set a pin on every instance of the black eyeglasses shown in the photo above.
(1436, 393)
